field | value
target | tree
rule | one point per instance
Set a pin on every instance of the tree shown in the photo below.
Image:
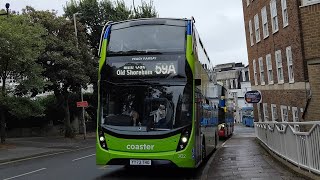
(64, 64)
(21, 44)
(144, 11)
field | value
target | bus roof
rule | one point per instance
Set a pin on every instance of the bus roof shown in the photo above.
(140, 19)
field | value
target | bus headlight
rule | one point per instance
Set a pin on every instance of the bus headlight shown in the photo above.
(102, 141)
(101, 138)
(184, 138)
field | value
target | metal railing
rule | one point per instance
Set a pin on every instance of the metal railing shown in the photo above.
(285, 139)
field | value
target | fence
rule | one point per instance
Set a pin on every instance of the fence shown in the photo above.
(285, 139)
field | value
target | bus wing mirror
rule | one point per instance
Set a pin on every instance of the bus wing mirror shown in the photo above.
(197, 82)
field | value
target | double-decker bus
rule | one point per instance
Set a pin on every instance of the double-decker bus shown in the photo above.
(223, 112)
(153, 85)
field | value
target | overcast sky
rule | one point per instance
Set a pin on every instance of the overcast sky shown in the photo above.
(219, 23)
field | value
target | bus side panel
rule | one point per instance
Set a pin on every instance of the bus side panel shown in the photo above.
(101, 156)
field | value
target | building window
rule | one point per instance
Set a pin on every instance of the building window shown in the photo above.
(256, 27)
(251, 33)
(295, 117)
(259, 112)
(236, 83)
(274, 112)
(265, 112)
(279, 67)
(295, 114)
(309, 2)
(284, 113)
(284, 13)
(290, 64)
(274, 16)
(255, 73)
(261, 71)
(269, 68)
(264, 22)
(246, 74)
(231, 83)
(243, 76)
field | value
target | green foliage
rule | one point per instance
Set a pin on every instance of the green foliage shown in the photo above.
(144, 11)
(53, 112)
(21, 44)
(65, 65)
(22, 107)
(67, 60)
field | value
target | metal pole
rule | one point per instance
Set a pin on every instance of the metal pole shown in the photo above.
(77, 45)
(75, 29)
(83, 117)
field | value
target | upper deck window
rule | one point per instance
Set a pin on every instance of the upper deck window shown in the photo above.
(147, 38)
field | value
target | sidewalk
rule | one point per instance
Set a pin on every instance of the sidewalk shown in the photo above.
(21, 148)
(241, 157)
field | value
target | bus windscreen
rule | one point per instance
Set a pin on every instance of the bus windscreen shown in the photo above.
(144, 39)
(142, 104)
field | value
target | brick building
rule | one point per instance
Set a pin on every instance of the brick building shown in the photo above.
(283, 51)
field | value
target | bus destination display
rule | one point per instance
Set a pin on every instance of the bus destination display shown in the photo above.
(133, 69)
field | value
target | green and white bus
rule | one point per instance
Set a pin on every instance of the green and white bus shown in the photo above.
(153, 85)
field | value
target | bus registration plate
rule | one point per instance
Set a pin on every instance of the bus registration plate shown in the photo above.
(140, 162)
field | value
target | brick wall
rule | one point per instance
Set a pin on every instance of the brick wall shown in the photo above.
(313, 110)
(310, 22)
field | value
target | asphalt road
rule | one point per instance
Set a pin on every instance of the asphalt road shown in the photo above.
(81, 165)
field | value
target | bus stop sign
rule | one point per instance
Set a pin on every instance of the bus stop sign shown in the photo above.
(82, 104)
(253, 96)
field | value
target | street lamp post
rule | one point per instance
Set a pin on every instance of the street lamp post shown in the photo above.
(77, 45)
(7, 8)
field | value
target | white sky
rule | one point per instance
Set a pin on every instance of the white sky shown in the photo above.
(219, 23)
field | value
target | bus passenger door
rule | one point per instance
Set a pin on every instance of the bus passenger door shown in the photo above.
(198, 113)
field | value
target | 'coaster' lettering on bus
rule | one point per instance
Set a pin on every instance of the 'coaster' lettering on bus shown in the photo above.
(140, 147)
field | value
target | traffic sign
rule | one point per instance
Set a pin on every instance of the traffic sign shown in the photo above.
(253, 96)
(82, 104)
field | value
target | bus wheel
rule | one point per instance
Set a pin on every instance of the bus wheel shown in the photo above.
(204, 153)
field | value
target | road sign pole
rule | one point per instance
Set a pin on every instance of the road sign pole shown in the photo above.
(83, 117)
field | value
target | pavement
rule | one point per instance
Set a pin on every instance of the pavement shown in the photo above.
(16, 149)
(241, 157)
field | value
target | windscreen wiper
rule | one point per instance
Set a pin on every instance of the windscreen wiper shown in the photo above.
(132, 83)
(133, 52)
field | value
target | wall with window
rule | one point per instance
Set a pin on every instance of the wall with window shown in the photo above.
(276, 63)
(273, 25)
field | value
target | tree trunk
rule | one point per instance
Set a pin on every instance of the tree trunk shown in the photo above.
(2, 126)
(68, 130)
